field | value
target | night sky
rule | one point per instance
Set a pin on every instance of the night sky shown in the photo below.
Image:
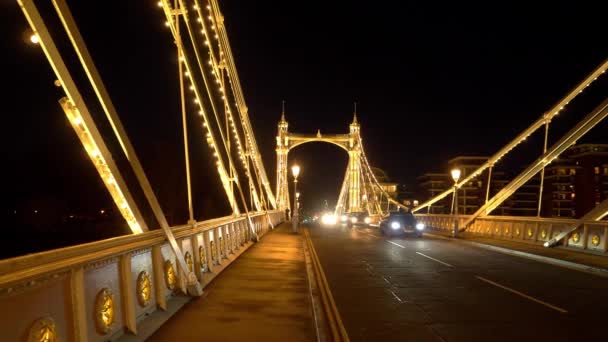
(431, 80)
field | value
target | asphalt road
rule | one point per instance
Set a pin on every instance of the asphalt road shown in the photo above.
(426, 289)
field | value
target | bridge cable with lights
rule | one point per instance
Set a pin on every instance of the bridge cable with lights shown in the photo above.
(216, 92)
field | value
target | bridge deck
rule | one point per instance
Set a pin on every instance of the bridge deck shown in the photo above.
(263, 295)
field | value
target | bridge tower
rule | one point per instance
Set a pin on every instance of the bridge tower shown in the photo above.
(282, 149)
(354, 167)
(348, 142)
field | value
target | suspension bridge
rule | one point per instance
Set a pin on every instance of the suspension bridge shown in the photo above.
(121, 288)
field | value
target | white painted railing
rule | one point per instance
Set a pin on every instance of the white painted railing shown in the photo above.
(591, 236)
(100, 290)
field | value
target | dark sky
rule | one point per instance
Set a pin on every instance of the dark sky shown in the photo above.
(432, 80)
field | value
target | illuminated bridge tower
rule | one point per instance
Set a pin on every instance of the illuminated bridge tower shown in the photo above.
(350, 143)
(282, 192)
(354, 167)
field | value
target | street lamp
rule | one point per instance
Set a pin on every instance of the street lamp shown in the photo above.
(455, 177)
(295, 170)
(34, 38)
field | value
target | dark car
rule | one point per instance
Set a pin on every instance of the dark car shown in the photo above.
(401, 223)
(357, 219)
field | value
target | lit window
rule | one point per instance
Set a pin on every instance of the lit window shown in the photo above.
(596, 170)
(572, 171)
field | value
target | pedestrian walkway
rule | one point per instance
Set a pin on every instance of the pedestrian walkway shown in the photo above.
(262, 296)
(565, 254)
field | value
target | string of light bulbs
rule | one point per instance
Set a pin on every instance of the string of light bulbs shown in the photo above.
(547, 117)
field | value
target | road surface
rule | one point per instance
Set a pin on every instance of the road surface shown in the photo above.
(426, 289)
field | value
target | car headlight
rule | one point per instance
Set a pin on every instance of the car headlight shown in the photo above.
(353, 220)
(395, 225)
(328, 219)
(344, 218)
(420, 226)
(368, 220)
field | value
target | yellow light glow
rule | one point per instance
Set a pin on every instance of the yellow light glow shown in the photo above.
(34, 38)
(295, 170)
(100, 164)
(455, 174)
(328, 219)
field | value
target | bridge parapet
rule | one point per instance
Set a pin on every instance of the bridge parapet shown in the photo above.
(99, 290)
(591, 236)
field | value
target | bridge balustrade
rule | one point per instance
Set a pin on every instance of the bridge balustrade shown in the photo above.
(591, 236)
(98, 291)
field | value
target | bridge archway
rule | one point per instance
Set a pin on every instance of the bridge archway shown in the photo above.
(349, 142)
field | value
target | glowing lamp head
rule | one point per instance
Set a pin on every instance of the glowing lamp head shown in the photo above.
(297, 195)
(295, 170)
(456, 175)
(34, 38)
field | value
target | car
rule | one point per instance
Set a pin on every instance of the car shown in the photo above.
(356, 218)
(401, 223)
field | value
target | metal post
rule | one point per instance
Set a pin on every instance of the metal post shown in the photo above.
(295, 216)
(455, 232)
(453, 201)
(489, 182)
(542, 172)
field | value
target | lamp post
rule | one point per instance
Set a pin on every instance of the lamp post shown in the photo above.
(295, 170)
(455, 177)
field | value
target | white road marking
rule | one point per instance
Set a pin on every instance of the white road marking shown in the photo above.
(396, 244)
(439, 261)
(396, 297)
(523, 295)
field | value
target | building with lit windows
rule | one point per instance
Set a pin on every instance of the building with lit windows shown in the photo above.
(591, 179)
(431, 185)
(470, 196)
(577, 181)
(573, 184)
(391, 188)
(524, 202)
(558, 189)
